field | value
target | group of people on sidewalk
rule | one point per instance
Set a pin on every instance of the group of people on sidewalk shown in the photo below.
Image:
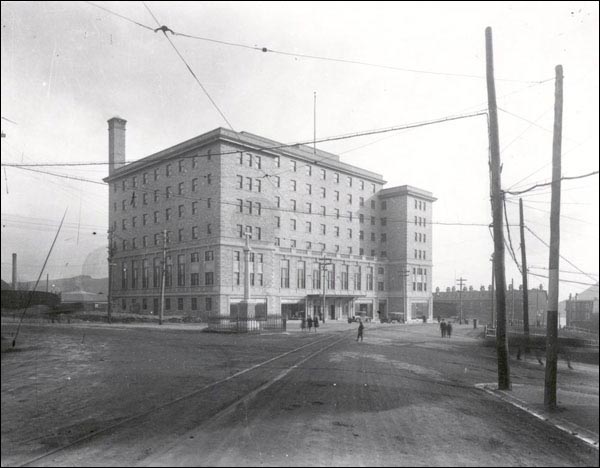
(446, 328)
(312, 322)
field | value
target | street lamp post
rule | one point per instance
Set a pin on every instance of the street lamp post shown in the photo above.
(323, 263)
(404, 274)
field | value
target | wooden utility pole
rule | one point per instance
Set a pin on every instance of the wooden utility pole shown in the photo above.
(552, 322)
(461, 282)
(501, 342)
(524, 274)
(110, 275)
(512, 309)
(492, 292)
(404, 274)
(164, 278)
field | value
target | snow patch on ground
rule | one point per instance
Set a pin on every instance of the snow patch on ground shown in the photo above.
(380, 358)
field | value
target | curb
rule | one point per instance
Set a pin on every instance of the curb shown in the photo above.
(572, 429)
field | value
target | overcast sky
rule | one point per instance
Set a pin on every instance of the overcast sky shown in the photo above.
(67, 67)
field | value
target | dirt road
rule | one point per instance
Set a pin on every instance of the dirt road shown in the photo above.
(403, 397)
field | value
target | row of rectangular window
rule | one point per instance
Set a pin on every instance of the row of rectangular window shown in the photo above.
(420, 237)
(158, 237)
(255, 160)
(132, 202)
(253, 232)
(420, 205)
(247, 183)
(420, 254)
(330, 276)
(251, 207)
(156, 172)
(208, 304)
(322, 247)
(156, 216)
(157, 271)
(420, 221)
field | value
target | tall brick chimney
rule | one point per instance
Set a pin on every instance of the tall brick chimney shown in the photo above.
(116, 143)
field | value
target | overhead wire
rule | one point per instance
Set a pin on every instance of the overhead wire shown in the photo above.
(510, 245)
(533, 187)
(546, 211)
(312, 56)
(561, 256)
(162, 28)
(281, 145)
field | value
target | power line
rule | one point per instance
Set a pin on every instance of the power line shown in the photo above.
(573, 148)
(571, 272)
(531, 122)
(561, 256)
(510, 246)
(120, 16)
(297, 212)
(348, 61)
(64, 176)
(562, 215)
(163, 29)
(519, 192)
(281, 146)
(309, 56)
(564, 280)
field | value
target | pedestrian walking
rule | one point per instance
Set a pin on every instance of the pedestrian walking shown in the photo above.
(316, 323)
(449, 329)
(303, 323)
(443, 326)
(361, 328)
(310, 324)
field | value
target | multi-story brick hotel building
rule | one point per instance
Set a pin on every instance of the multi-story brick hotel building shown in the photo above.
(202, 196)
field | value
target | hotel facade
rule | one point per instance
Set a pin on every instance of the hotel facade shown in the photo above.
(189, 210)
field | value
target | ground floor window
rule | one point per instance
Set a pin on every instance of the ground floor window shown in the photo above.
(295, 311)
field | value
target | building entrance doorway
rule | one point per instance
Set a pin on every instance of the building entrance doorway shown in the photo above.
(381, 310)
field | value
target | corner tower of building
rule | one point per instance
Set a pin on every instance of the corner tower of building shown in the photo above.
(406, 229)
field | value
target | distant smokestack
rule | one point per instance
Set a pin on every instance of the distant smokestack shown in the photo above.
(116, 143)
(14, 272)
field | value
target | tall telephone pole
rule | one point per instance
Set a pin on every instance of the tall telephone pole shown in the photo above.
(512, 309)
(110, 275)
(552, 322)
(524, 274)
(405, 274)
(323, 264)
(492, 291)
(461, 281)
(164, 278)
(496, 193)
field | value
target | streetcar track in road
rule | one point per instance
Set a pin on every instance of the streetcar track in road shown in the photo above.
(189, 395)
(253, 393)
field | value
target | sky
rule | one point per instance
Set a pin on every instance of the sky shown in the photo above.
(67, 67)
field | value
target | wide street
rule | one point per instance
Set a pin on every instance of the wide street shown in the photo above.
(90, 395)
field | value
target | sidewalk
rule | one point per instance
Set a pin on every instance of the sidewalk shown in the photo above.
(577, 404)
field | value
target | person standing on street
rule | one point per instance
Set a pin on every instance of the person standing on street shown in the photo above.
(443, 328)
(310, 324)
(449, 329)
(361, 327)
(316, 324)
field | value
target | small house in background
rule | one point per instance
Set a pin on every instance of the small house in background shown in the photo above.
(83, 300)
